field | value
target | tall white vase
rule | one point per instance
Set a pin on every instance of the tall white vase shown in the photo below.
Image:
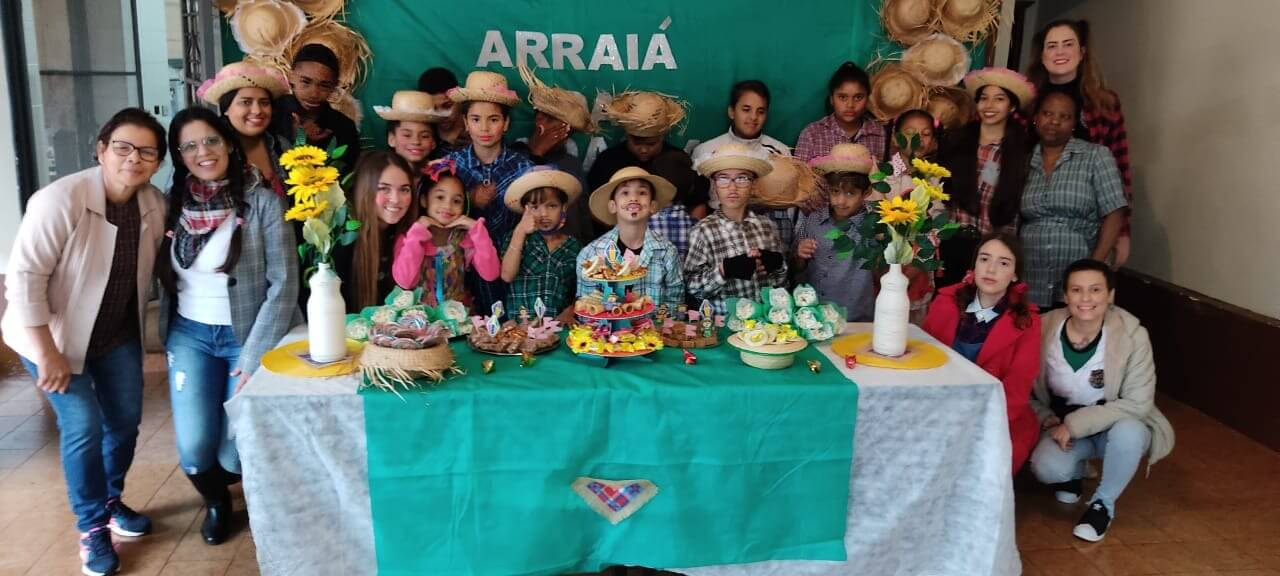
(326, 316)
(893, 310)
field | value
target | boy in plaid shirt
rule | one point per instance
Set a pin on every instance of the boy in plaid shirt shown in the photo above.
(538, 259)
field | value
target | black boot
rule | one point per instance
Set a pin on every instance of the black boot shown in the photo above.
(212, 485)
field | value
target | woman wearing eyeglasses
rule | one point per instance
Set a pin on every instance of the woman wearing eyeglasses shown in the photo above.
(76, 288)
(229, 268)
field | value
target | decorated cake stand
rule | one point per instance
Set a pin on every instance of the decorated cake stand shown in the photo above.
(613, 318)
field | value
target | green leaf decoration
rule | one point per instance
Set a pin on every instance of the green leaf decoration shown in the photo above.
(338, 152)
(900, 140)
(915, 141)
(881, 187)
(833, 234)
(340, 215)
(302, 250)
(877, 176)
(352, 225)
(347, 237)
(886, 167)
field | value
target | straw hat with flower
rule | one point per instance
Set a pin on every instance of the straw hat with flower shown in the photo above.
(348, 45)
(411, 106)
(909, 21)
(938, 60)
(734, 156)
(264, 28)
(894, 91)
(645, 114)
(541, 177)
(239, 75)
(790, 183)
(952, 107)
(846, 157)
(485, 86)
(664, 192)
(968, 20)
(565, 105)
(1004, 78)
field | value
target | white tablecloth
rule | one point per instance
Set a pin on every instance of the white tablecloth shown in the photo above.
(930, 491)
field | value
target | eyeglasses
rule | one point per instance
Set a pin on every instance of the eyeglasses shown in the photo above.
(741, 180)
(124, 150)
(209, 142)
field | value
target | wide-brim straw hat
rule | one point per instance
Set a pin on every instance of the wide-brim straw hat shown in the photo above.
(265, 28)
(938, 60)
(239, 75)
(1004, 78)
(664, 192)
(645, 114)
(968, 20)
(565, 105)
(790, 183)
(894, 91)
(485, 86)
(909, 21)
(734, 156)
(411, 106)
(320, 9)
(541, 177)
(951, 107)
(349, 46)
(846, 157)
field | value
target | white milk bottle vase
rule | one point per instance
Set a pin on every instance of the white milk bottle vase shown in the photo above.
(326, 316)
(893, 310)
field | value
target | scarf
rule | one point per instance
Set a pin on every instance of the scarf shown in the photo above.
(207, 206)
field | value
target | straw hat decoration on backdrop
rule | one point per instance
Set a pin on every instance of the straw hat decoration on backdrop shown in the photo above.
(909, 21)
(242, 75)
(968, 20)
(645, 114)
(349, 46)
(663, 192)
(226, 6)
(485, 86)
(320, 10)
(734, 156)
(894, 91)
(411, 106)
(938, 60)
(565, 105)
(348, 105)
(790, 183)
(1004, 78)
(264, 28)
(952, 107)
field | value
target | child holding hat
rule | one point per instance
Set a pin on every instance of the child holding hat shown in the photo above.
(626, 202)
(539, 260)
(845, 173)
(733, 252)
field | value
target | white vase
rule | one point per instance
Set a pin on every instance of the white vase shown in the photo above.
(893, 310)
(326, 316)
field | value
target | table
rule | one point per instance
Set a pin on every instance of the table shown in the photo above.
(930, 490)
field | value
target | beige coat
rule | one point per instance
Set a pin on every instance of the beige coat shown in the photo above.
(61, 259)
(1129, 381)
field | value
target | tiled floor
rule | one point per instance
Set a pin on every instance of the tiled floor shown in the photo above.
(1212, 508)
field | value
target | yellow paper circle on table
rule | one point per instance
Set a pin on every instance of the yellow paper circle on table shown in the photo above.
(920, 355)
(284, 360)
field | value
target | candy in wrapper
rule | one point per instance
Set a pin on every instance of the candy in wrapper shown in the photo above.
(526, 359)
(486, 366)
(850, 361)
(815, 366)
(689, 358)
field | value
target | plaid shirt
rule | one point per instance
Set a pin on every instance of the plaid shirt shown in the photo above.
(839, 280)
(818, 138)
(715, 238)
(504, 170)
(1108, 130)
(1061, 216)
(116, 322)
(988, 177)
(543, 273)
(674, 224)
(663, 283)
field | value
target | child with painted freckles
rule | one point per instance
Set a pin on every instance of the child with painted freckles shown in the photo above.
(443, 244)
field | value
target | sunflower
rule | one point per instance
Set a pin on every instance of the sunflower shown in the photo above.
(303, 156)
(301, 211)
(929, 169)
(935, 191)
(307, 181)
(898, 211)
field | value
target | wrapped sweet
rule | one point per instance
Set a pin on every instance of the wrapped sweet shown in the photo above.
(806, 295)
(780, 315)
(778, 298)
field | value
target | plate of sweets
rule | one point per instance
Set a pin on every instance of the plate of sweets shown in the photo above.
(597, 306)
(526, 334)
(604, 341)
(613, 267)
(689, 328)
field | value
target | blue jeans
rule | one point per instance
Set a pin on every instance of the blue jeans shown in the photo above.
(98, 419)
(1121, 448)
(201, 358)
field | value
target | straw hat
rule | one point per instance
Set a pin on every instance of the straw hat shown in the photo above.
(734, 156)
(344, 102)
(968, 20)
(790, 183)
(411, 106)
(541, 177)
(320, 9)
(239, 75)
(952, 107)
(894, 91)
(599, 201)
(909, 21)
(485, 86)
(348, 45)
(264, 28)
(938, 60)
(226, 6)
(566, 105)
(645, 114)
(845, 158)
(1004, 78)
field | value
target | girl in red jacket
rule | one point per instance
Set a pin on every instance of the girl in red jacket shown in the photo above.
(987, 319)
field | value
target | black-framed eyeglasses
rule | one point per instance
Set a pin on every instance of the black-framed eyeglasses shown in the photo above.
(209, 142)
(741, 180)
(125, 149)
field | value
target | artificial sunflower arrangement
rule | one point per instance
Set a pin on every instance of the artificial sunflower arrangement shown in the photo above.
(318, 202)
(909, 223)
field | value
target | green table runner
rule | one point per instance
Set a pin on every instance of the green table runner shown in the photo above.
(474, 476)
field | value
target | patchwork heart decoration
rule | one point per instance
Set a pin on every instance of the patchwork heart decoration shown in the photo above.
(614, 499)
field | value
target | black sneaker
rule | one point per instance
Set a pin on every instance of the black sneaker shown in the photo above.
(1092, 526)
(1068, 492)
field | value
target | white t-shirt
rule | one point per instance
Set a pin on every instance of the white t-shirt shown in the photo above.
(1083, 387)
(202, 290)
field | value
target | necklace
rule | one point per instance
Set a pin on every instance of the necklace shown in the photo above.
(1083, 340)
